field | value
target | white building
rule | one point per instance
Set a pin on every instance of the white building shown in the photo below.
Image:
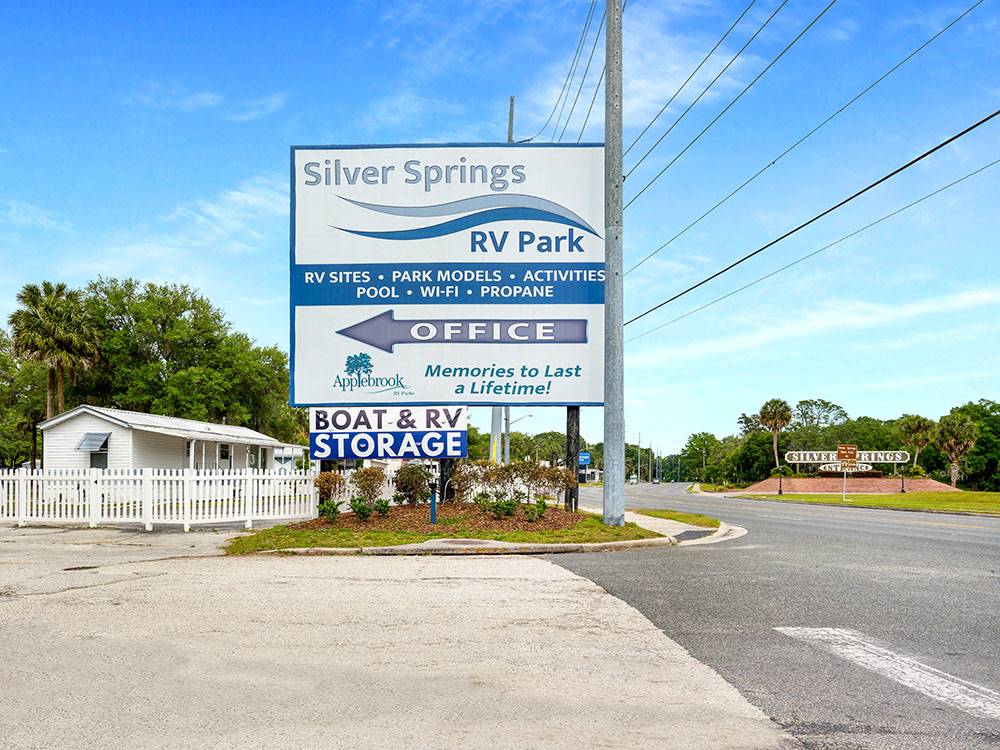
(101, 438)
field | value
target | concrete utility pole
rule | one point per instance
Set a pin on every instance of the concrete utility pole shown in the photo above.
(499, 447)
(614, 349)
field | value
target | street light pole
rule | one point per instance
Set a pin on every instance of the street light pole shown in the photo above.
(614, 318)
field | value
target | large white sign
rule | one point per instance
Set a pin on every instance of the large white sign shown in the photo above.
(868, 457)
(372, 432)
(433, 275)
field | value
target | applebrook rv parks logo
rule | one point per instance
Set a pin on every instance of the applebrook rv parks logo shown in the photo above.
(358, 376)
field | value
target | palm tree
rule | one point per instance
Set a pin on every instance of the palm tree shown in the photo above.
(955, 435)
(916, 431)
(775, 415)
(50, 327)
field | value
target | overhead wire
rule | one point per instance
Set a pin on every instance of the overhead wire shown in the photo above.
(825, 212)
(808, 135)
(726, 108)
(600, 80)
(816, 252)
(562, 91)
(583, 78)
(576, 62)
(687, 80)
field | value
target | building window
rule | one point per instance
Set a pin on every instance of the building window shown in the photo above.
(99, 460)
(223, 452)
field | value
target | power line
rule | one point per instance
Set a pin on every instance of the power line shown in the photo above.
(816, 252)
(820, 215)
(693, 74)
(600, 80)
(586, 72)
(562, 91)
(576, 62)
(728, 106)
(808, 135)
(706, 89)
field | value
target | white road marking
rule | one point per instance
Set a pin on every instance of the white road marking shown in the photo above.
(851, 645)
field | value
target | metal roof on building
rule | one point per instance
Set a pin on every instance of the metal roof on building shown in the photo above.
(189, 429)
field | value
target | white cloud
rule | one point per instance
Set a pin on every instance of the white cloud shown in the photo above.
(256, 108)
(180, 98)
(833, 315)
(248, 219)
(22, 214)
(177, 97)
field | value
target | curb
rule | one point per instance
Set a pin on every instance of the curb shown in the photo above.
(971, 513)
(508, 548)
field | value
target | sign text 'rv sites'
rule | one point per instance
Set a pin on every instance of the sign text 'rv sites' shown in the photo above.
(458, 274)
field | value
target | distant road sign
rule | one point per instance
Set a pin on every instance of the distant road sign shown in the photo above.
(847, 453)
(584, 458)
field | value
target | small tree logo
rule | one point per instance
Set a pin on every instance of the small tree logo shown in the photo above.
(358, 364)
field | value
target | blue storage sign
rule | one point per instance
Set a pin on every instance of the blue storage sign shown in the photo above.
(373, 432)
(584, 458)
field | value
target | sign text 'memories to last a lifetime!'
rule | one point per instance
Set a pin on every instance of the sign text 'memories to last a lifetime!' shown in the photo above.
(469, 274)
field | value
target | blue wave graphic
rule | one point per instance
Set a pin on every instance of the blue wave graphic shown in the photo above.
(472, 220)
(475, 203)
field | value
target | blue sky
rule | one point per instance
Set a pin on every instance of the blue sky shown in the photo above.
(151, 139)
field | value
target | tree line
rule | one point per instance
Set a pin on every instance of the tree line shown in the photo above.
(158, 348)
(961, 447)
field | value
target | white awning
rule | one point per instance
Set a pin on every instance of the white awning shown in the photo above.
(92, 442)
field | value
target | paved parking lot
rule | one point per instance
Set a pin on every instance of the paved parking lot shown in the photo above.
(166, 644)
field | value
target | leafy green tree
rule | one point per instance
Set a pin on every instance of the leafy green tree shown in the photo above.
(982, 463)
(955, 435)
(167, 350)
(917, 431)
(696, 452)
(550, 446)
(775, 415)
(51, 326)
(749, 423)
(818, 412)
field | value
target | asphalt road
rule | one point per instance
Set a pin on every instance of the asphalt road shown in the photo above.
(918, 593)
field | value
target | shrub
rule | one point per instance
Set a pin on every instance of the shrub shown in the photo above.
(369, 482)
(413, 482)
(914, 471)
(330, 509)
(503, 507)
(399, 498)
(536, 510)
(464, 478)
(381, 506)
(483, 501)
(331, 485)
(361, 507)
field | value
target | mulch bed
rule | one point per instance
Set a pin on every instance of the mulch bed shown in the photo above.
(464, 516)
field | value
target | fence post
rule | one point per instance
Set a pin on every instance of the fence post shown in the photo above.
(248, 501)
(22, 491)
(188, 489)
(146, 483)
(95, 497)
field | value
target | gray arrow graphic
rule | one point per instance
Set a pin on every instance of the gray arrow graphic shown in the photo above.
(384, 331)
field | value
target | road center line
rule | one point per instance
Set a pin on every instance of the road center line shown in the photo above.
(941, 686)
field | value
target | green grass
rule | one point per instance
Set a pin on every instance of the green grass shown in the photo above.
(693, 519)
(589, 529)
(966, 502)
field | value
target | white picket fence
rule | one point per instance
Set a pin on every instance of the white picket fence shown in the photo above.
(155, 496)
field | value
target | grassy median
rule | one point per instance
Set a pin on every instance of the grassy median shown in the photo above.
(692, 519)
(964, 502)
(588, 529)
